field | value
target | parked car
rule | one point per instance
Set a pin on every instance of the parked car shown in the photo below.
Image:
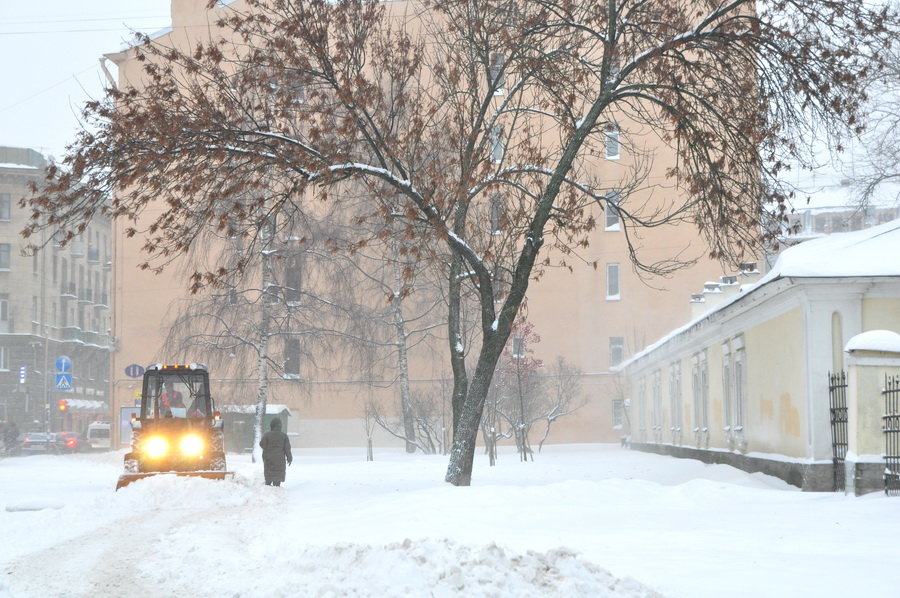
(37, 443)
(69, 442)
(98, 436)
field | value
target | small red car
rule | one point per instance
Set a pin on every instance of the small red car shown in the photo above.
(68, 442)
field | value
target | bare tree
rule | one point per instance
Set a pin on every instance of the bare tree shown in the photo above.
(426, 411)
(563, 395)
(875, 166)
(520, 385)
(450, 105)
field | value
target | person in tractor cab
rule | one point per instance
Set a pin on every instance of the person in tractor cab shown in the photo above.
(170, 399)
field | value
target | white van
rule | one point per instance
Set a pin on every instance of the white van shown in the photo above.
(98, 436)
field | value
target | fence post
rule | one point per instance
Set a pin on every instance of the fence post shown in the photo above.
(869, 361)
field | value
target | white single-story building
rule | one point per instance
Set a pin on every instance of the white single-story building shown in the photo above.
(757, 381)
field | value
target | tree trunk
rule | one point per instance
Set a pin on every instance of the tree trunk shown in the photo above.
(409, 423)
(262, 346)
(457, 351)
(459, 471)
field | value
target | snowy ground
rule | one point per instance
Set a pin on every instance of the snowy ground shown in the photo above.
(586, 520)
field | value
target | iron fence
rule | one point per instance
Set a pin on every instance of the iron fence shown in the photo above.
(891, 428)
(837, 390)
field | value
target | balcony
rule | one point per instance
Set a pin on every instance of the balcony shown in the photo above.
(76, 248)
(70, 333)
(93, 256)
(86, 296)
(101, 301)
(67, 290)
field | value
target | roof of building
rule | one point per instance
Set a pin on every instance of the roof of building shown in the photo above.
(868, 252)
(271, 409)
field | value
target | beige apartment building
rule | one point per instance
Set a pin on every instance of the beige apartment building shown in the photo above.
(593, 317)
(55, 343)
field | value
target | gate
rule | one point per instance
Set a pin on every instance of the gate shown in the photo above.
(891, 428)
(837, 390)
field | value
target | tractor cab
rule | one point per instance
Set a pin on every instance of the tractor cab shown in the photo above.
(175, 391)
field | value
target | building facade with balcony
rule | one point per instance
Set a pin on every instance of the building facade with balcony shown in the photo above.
(54, 304)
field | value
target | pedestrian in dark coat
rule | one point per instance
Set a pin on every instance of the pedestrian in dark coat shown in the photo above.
(276, 449)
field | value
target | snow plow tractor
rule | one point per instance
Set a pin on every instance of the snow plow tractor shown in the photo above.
(178, 431)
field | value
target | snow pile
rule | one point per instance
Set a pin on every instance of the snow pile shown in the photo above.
(438, 568)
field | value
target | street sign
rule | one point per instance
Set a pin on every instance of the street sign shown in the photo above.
(63, 381)
(134, 370)
(23, 372)
(63, 364)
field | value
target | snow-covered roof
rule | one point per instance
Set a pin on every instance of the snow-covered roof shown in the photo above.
(86, 405)
(868, 252)
(875, 340)
(12, 165)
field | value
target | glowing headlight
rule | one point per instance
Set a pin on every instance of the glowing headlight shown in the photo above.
(156, 447)
(191, 445)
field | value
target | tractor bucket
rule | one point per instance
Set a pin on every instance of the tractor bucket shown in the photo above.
(128, 478)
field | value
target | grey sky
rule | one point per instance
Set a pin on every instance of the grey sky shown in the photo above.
(49, 62)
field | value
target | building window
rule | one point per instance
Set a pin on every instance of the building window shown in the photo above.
(5, 201)
(4, 256)
(612, 211)
(640, 408)
(733, 392)
(4, 359)
(497, 209)
(618, 413)
(518, 347)
(497, 148)
(612, 282)
(616, 350)
(611, 138)
(675, 402)
(700, 387)
(291, 358)
(739, 390)
(292, 284)
(656, 411)
(495, 71)
(4, 312)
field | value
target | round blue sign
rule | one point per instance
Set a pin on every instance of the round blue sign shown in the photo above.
(134, 370)
(63, 364)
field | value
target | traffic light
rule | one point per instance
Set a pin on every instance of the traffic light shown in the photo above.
(62, 404)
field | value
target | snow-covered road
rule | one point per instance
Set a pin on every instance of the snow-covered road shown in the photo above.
(578, 521)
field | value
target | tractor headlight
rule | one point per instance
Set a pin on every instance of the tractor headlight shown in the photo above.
(156, 447)
(191, 445)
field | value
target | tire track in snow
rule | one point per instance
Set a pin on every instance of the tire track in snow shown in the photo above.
(104, 561)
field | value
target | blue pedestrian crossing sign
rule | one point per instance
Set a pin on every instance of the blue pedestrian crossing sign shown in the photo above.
(63, 364)
(63, 381)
